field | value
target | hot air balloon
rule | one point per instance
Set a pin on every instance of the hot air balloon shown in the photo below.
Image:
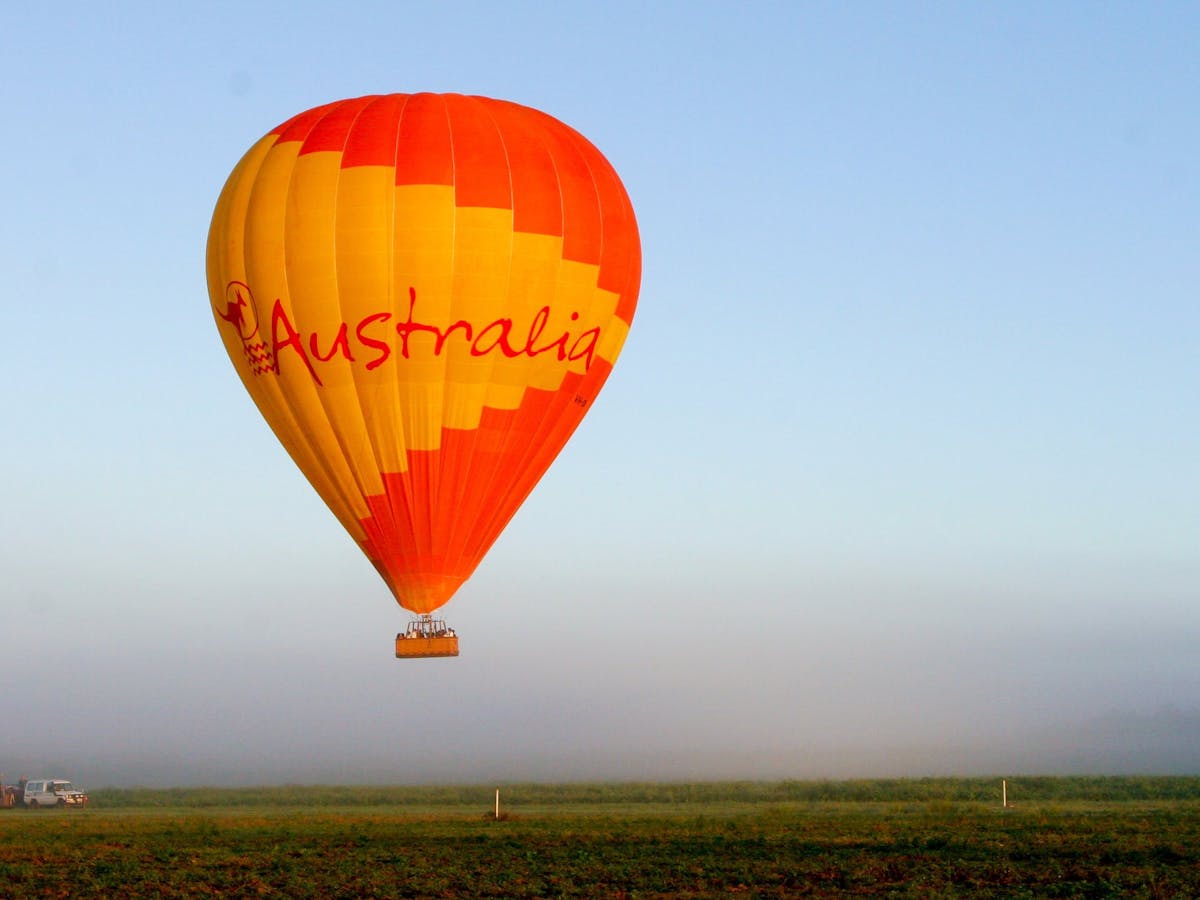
(423, 294)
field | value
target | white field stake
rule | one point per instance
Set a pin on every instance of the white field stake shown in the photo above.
(1003, 793)
(497, 803)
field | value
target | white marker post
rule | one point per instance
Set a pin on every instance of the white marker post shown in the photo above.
(1004, 792)
(497, 803)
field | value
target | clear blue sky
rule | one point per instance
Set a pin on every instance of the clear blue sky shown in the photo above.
(896, 475)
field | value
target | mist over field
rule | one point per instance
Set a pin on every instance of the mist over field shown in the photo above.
(1161, 744)
(587, 698)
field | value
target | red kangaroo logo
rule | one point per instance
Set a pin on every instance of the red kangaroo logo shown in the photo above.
(235, 311)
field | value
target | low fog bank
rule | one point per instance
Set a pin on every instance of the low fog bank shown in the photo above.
(870, 683)
(1162, 743)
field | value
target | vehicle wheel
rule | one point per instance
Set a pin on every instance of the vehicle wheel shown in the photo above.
(33, 804)
(62, 802)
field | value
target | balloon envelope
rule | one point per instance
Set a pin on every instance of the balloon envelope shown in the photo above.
(423, 294)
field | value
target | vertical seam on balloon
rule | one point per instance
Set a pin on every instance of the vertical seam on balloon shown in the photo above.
(465, 548)
(403, 479)
(591, 381)
(298, 435)
(368, 433)
(270, 390)
(429, 474)
(335, 423)
(517, 489)
(344, 499)
(526, 462)
(418, 519)
(594, 379)
(632, 274)
(443, 455)
(264, 391)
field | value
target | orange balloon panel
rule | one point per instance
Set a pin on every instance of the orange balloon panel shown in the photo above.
(423, 294)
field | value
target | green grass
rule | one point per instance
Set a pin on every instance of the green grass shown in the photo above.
(921, 838)
(983, 790)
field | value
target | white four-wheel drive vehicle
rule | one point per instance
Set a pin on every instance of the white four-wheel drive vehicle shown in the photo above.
(53, 792)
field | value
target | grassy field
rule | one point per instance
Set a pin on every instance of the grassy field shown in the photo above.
(920, 838)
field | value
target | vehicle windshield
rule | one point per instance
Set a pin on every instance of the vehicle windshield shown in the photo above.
(62, 786)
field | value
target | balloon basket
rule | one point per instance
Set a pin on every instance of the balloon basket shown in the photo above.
(426, 637)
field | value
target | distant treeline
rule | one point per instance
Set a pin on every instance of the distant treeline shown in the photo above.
(1021, 789)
